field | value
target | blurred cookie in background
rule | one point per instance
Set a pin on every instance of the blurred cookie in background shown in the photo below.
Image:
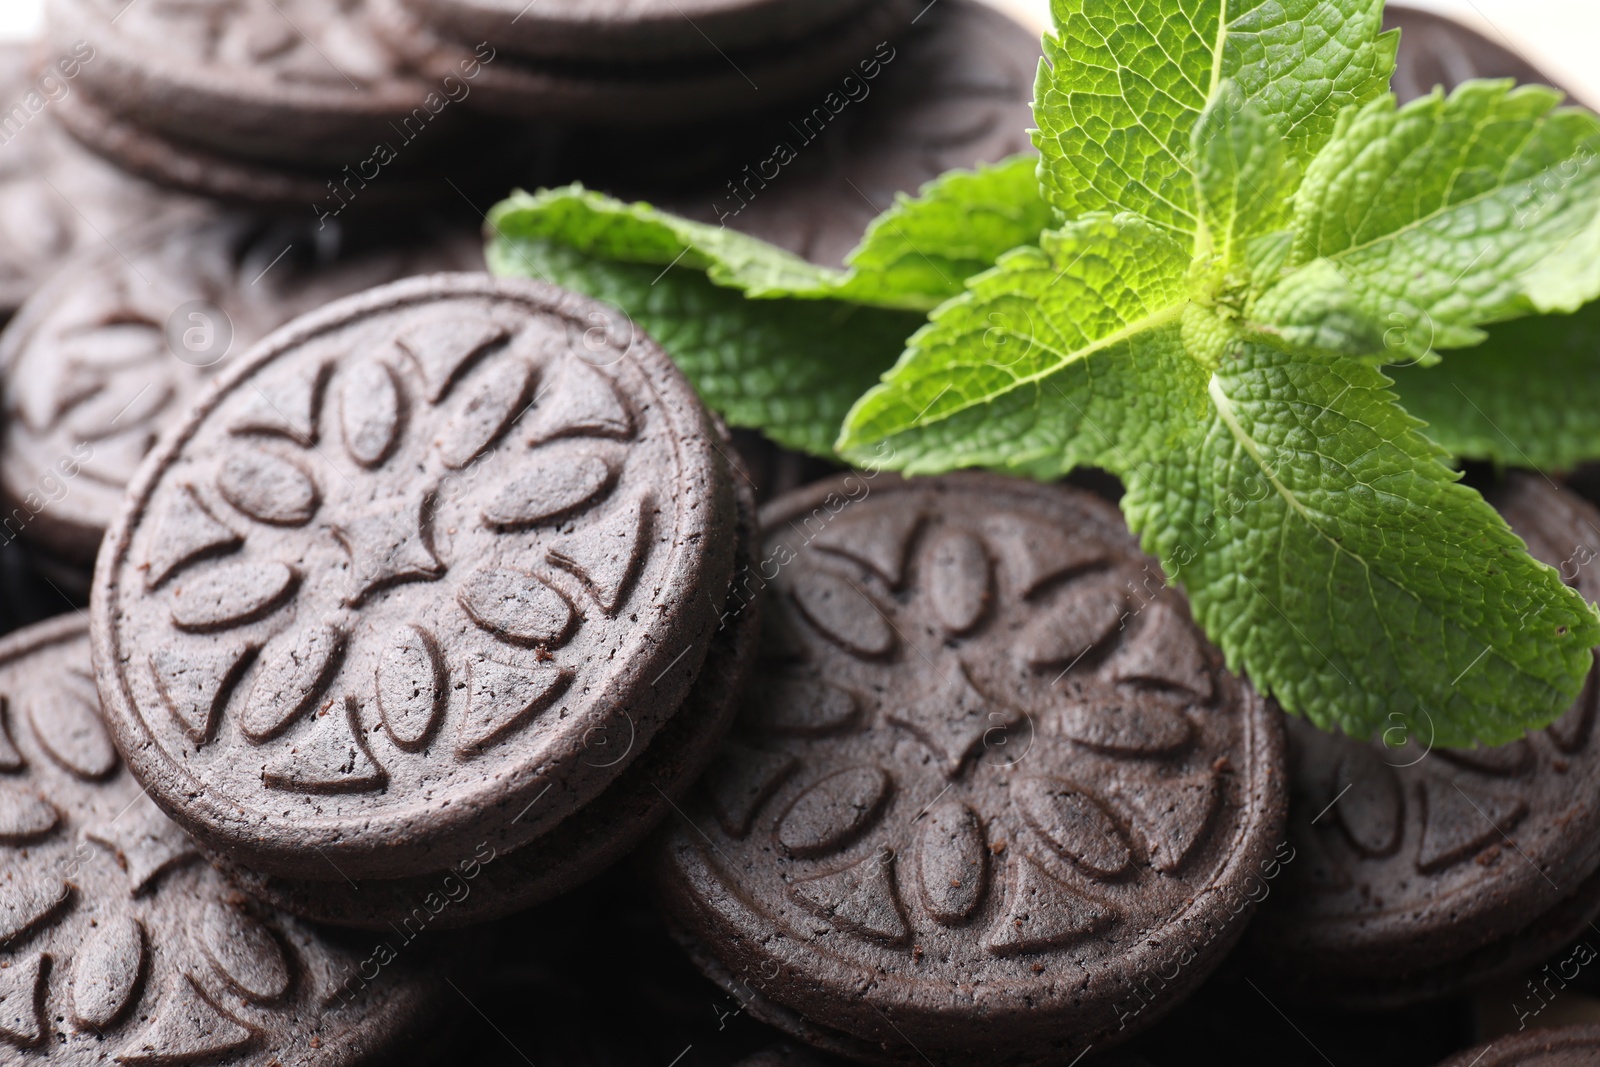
(107, 353)
(1435, 50)
(643, 64)
(56, 197)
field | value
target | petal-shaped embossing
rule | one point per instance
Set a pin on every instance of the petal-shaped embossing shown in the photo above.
(958, 580)
(10, 758)
(244, 952)
(66, 719)
(549, 491)
(1083, 616)
(295, 671)
(861, 898)
(605, 556)
(126, 401)
(1125, 727)
(843, 612)
(1043, 913)
(877, 538)
(1164, 650)
(952, 863)
(503, 699)
(231, 595)
(1172, 815)
(517, 607)
(24, 815)
(22, 989)
(329, 757)
(195, 682)
(1458, 822)
(804, 707)
(185, 1028)
(107, 972)
(371, 409)
(283, 405)
(834, 811)
(580, 402)
(390, 543)
(1075, 824)
(1512, 758)
(1368, 801)
(268, 488)
(493, 405)
(145, 842)
(741, 780)
(413, 687)
(185, 532)
(26, 900)
(444, 346)
(1034, 552)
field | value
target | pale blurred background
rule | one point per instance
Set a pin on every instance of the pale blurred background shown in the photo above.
(1560, 36)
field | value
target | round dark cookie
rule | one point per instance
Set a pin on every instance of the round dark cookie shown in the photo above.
(1563, 1046)
(629, 30)
(370, 601)
(116, 944)
(957, 92)
(994, 799)
(56, 198)
(181, 166)
(123, 338)
(647, 95)
(269, 80)
(1435, 50)
(587, 842)
(1423, 870)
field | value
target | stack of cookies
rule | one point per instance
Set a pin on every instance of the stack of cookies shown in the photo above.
(636, 64)
(418, 601)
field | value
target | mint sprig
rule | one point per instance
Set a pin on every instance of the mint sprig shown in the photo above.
(1231, 228)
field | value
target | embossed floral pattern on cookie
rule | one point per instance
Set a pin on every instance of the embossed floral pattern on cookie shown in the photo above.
(402, 564)
(116, 942)
(992, 750)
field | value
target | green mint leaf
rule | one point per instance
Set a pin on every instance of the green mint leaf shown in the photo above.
(790, 368)
(1124, 82)
(920, 251)
(1445, 215)
(913, 256)
(1527, 397)
(1243, 177)
(1329, 550)
(1050, 359)
(600, 227)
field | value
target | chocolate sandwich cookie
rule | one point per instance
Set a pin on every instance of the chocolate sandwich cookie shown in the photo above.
(1422, 870)
(270, 80)
(993, 798)
(117, 944)
(1435, 50)
(631, 30)
(590, 840)
(125, 335)
(1564, 1046)
(271, 103)
(955, 91)
(56, 197)
(717, 85)
(421, 578)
